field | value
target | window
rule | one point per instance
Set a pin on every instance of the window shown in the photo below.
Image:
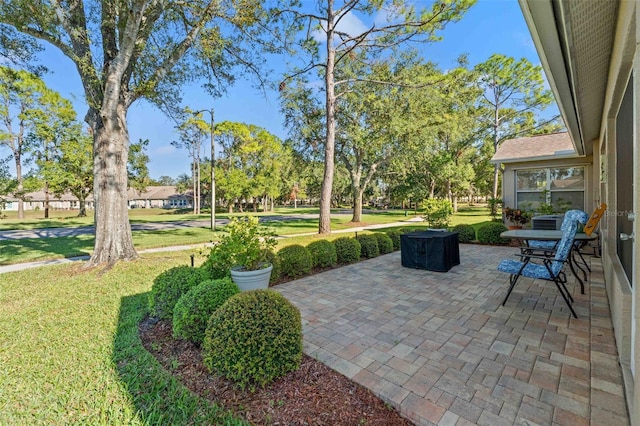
(562, 188)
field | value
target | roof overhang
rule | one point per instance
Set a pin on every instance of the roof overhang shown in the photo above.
(536, 158)
(574, 40)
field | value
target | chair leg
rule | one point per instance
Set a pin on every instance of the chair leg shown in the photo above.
(575, 274)
(560, 285)
(513, 279)
(584, 262)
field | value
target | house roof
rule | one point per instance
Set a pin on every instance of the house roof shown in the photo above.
(574, 40)
(535, 148)
(155, 193)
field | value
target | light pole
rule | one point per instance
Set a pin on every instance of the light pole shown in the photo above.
(213, 173)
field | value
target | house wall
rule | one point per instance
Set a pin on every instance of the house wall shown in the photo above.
(623, 294)
(509, 178)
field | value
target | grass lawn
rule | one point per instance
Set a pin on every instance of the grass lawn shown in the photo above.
(35, 249)
(30, 250)
(70, 351)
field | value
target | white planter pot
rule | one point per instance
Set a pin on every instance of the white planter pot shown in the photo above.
(251, 280)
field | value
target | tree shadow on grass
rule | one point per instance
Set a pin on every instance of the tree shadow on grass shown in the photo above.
(158, 397)
(35, 249)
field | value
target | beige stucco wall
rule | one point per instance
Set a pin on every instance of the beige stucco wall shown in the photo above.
(509, 178)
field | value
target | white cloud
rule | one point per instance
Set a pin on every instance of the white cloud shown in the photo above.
(349, 24)
(386, 16)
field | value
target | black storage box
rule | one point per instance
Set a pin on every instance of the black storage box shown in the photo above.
(431, 250)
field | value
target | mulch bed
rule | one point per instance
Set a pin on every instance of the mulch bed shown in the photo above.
(312, 395)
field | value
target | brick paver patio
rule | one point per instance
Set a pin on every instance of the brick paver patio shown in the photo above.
(441, 349)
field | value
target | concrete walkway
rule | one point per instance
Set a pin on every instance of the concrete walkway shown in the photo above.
(441, 349)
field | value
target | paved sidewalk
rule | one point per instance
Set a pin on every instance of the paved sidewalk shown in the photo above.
(440, 348)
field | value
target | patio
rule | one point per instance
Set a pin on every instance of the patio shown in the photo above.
(441, 349)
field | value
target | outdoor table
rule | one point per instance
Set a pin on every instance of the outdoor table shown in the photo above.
(527, 235)
(431, 250)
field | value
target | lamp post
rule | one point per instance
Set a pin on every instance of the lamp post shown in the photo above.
(213, 174)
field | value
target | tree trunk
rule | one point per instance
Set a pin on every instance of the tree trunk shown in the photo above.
(194, 187)
(272, 206)
(230, 207)
(455, 203)
(113, 240)
(46, 200)
(83, 209)
(496, 173)
(357, 205)
(19, 186)
(324, 226)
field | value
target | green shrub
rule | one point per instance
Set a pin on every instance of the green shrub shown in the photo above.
(273, 258)
(490, 234)
(466, 233)
(394, 235)
(385, 245)
(347, 249)
(215, 269)
(170, 285)
(437, 212)
(295, 260)
(254, 338)
(323, 253)
(192, 312)
(369, 244)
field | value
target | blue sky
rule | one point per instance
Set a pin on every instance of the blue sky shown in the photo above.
(491, 26)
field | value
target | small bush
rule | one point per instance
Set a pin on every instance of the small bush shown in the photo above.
(276, 272)
(394, 234)
(490, 234)
(369, 245)
(466, 233)
(170, 285)
(295, 260)
(215, 269)
(323, 253)
(254, 338)
(192, 312)
(385, 245)
(347, 249)
(437, 212)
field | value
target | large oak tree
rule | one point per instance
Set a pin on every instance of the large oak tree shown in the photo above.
(139, 49)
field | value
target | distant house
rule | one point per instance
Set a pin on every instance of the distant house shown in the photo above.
(166, 197)
(546, 169)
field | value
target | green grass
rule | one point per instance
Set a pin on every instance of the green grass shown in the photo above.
(36, 249)
(70, 351)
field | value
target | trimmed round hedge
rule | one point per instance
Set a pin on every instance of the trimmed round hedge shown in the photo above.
(395, 238)
(490, 234)
(170, 285)
(192, 312)
(323, 253)
(369, 245)
(466, 233)
(385, 245)
(295, 260)
(254, 338)
(276, 272)
(347, 249)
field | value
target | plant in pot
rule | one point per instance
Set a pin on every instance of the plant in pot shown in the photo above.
(243, 252)
(517, 217)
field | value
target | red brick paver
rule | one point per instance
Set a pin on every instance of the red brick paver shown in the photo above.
(442, 349)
